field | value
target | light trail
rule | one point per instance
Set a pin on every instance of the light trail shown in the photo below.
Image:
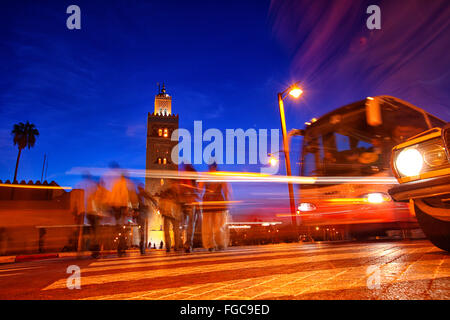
(33, 186)
(232, 177)
(212, 203)
(255, 223)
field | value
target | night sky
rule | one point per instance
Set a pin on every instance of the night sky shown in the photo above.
(88, 91)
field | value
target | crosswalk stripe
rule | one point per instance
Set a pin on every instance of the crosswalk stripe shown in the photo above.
(224, 267)
(149, 261)
(283, 289)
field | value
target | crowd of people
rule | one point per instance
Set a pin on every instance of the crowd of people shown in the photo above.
(182, 204)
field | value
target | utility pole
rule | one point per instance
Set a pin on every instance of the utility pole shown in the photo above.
(43, 168)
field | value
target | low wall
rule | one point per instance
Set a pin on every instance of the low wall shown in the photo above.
(36, 220)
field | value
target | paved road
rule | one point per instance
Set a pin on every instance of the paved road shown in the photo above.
(378, 270)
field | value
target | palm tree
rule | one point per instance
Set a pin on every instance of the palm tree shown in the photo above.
(24, 135)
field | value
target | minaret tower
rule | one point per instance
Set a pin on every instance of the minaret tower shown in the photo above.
(160, 126)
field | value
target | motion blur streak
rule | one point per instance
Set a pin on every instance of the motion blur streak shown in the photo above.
(333, 51)
(214, 202)
(353, 200)
(237, 176)
(33, 187)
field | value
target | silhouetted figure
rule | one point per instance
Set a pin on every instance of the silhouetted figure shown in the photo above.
(161, 244)
(121, 200)
(143, 210)
(93, 192)
(214, 207)
(170, 208)
(189, 193)
(42, 233)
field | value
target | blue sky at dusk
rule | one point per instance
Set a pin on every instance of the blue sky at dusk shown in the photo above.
(88, 91)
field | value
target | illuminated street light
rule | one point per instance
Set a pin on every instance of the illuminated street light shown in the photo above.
(273, 161)
(294, 91)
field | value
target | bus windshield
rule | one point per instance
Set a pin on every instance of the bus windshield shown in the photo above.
(342, 143)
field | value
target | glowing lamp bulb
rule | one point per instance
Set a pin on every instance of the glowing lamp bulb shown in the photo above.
(375, 198)
(305, 206)
(296, 92)
(273, 161)
(409, 162)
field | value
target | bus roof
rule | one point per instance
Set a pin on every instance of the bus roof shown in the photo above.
(362, 103)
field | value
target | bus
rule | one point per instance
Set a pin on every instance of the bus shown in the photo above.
(355, 142)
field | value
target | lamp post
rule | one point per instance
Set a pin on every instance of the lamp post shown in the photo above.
(293, 132)
(295, 92)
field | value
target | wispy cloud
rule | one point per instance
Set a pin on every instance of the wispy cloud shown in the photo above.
(335, 54)
(134, 130)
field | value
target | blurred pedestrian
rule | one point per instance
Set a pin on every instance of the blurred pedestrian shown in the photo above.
(189, 192)
(214, 209)
(170, 208)
(90, 186)
(121, 201)
(143, 198)
(95, 215)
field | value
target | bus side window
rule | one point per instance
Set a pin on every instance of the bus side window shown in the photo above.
(312, 158)
(329, 147)
(309, 165)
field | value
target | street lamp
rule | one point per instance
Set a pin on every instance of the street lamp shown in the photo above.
(293, 91)
(273, 161)
(296, 92)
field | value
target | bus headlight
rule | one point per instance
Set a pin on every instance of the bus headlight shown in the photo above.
(377, 197)
(420, 158)
(435, 156)
(409, 162)
(305, 207)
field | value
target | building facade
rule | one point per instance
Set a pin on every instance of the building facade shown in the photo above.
(161, 124)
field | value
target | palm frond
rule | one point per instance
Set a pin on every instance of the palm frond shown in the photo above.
(24, 135)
